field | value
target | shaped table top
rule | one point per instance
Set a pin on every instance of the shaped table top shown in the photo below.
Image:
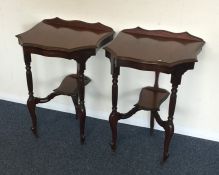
(68, 36)
(154, 47)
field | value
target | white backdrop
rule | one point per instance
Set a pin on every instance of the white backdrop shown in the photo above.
(196, 111)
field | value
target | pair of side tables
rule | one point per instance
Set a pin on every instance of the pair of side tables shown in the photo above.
(149, 50)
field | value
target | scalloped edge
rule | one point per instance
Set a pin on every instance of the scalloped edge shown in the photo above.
(163, 34)
(95, 27)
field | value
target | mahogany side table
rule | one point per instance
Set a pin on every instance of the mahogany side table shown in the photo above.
(75, 40)
(151, 50)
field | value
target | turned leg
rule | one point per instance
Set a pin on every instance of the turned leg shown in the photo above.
(75, 101)
(113, 119)
(168, 125)
(31, 100)
(156, 87)
(151, 124)
(81, 91)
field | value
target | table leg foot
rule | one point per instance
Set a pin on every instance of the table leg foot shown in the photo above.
(82, 139)
(34, 131)
(31, 107)
(165, 157)
(113, 146)
(169, 131)
(113, 120)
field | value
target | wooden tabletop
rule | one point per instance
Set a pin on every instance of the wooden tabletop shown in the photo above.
(154, 47)
(68, 36)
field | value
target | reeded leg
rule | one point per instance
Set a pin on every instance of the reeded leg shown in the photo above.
(31, 100)
(75, 101)
(152, 124)
(81, 91)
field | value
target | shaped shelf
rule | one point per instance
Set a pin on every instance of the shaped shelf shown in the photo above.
(69, 85)
(151, 98)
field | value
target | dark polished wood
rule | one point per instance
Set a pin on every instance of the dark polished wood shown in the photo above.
(69, 85)
(66, 36)
(158, 51)
(155, 97)
(31, 105)
(76, 40)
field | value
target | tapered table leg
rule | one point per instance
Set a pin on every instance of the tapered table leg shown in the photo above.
(81, 91)
(151, 124)
(31, 107)
(168, 125)
(113, 118)
(31, 100)
(169, 131)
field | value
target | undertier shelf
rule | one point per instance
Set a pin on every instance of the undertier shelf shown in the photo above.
(151, 98)
(69, 85)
